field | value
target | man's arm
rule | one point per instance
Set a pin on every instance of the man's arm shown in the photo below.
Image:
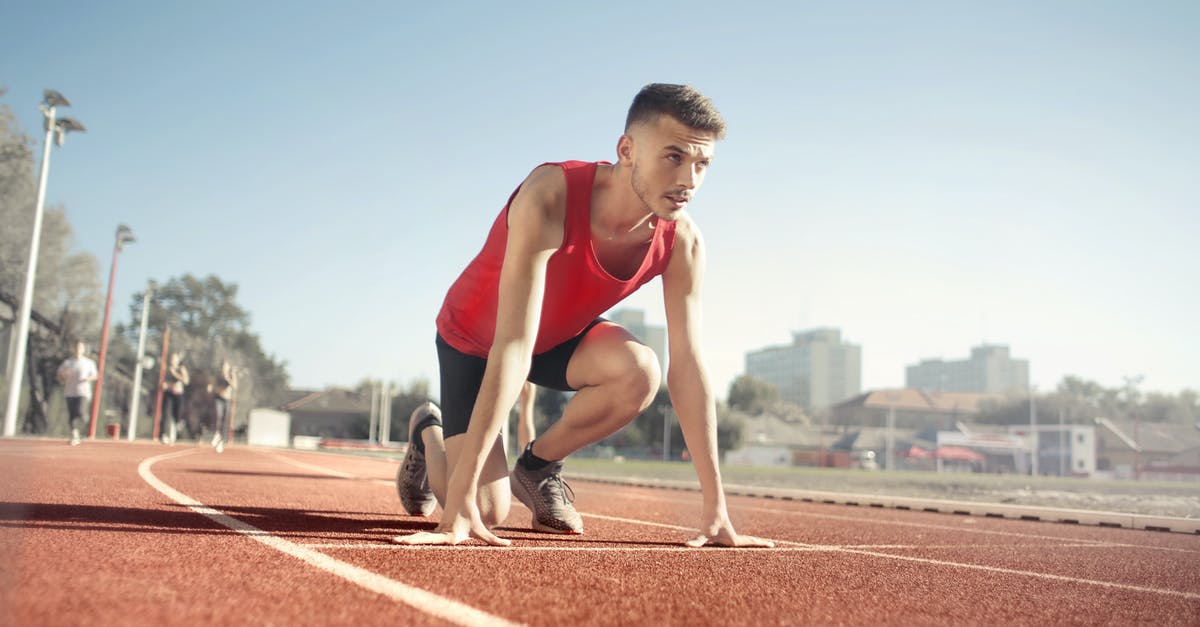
(535, 232)
(688, 383)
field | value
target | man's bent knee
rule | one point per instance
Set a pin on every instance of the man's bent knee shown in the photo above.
(641, 381)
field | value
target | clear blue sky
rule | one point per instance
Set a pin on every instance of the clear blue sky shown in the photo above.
(924, 176)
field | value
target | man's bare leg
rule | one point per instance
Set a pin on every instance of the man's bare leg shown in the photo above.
(617, 378)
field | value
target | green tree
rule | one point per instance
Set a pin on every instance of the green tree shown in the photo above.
(407, 399)
(730, 430)
(1080, 401)
(209, 326)
(548, 407)
(751, 395)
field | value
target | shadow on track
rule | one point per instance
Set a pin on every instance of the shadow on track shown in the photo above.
(180, 520)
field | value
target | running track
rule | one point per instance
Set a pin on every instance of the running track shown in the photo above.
(143, 534)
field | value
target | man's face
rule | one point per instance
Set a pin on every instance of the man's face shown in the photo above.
(669, 161)
(80, 349)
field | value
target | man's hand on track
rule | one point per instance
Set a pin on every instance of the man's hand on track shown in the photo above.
(454, 529)
(733, 540)
(718, 531)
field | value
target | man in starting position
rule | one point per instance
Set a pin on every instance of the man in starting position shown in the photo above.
(574, 239)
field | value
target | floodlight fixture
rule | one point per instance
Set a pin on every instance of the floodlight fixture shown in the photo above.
(64, 125)
(52, 98)
(124, 236)
(70, 124)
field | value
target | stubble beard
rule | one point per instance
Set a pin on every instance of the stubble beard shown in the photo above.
(641, 190)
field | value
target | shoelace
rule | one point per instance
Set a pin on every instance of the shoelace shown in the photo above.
(563, 487)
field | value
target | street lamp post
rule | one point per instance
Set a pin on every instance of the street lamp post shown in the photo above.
(666, 410)
(1033, 432)
(57, 130)
(136, 395)
(385, 415)
(124, 236)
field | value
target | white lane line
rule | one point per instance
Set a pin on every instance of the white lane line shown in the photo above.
(541, 549)
(428, 602)
(646, 523)
(329, 471)
(816, 548)
(320, 469)
(1025, 573)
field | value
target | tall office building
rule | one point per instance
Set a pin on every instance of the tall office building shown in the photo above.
(989, 370)
(815, 371)
(634, 321)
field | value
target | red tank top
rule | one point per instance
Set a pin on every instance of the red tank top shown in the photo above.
(578, 288)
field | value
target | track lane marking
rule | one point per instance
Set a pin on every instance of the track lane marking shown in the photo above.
(664, 549)
(423, 600)
(900, 523)
(1025, 573)
(321, 469)
(921, 560)
(611, 488)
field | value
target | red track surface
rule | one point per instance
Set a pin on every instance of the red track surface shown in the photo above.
(254, 536)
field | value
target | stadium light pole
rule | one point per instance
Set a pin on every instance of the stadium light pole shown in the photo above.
(136, 395)
(56, 129)
(1033, 432)
(124, 236)
(665, 409)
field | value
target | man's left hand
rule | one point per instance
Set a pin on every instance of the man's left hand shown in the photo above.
(719, 532)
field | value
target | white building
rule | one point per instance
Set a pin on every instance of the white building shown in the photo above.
(815, 371)
(989, 370)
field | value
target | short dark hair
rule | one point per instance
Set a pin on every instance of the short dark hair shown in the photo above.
(682, 102)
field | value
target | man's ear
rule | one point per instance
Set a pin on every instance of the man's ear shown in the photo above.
(625, 150)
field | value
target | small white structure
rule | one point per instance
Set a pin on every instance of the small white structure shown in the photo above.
(760, 455)
(269, 427)
(1065, 450)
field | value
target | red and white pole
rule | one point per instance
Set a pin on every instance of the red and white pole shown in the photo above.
(112, 275)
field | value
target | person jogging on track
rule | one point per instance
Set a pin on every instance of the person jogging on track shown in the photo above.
(222, 389)
(573, 240)
(77, 374)
(175, 381)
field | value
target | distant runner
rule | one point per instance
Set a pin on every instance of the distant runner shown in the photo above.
(77, 374)
(175, 381)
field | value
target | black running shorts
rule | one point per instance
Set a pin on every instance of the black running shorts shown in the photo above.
(462, 376)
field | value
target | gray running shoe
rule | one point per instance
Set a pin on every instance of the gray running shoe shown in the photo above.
(412, 480)
(548, 497)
